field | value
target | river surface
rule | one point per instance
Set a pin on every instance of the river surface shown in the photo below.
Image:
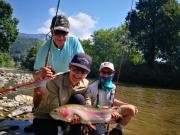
(159, 110)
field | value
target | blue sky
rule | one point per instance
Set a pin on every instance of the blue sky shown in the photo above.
(85, 16)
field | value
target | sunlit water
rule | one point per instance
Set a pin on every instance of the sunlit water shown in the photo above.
(159, 110)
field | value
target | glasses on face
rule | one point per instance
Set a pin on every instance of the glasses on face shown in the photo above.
(106, 72)
(60, 33)
(78, 70)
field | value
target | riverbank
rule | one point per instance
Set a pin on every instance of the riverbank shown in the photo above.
(15, 107)
(12, 77)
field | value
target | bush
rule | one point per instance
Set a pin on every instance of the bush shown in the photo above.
(6, 60)
(158, 75)
(28, 63)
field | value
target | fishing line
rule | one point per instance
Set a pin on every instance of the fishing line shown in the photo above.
(122, 57)
(122, 50)
(29, 83)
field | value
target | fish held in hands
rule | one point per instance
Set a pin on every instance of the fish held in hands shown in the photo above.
(87, 114)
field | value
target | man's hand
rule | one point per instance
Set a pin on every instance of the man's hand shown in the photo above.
(43, 72)
(135, 110)
(75, 120)
(115, 115)
(46, 72)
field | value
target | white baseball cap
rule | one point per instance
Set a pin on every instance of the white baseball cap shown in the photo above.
(107, 65)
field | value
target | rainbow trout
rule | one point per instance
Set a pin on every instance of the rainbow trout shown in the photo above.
(87, 114)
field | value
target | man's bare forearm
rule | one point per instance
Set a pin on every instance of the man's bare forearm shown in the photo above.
(37, 75)
(119, 103)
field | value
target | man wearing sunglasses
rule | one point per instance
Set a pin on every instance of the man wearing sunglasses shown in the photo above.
(63, 47)
(102, 93)
(71, 88)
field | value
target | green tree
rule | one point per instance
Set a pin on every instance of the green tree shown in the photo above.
(87, 46)
(105, 47)
(6, 60)
(106, 44)
(131, 54)
(154, 28)
(31, 56)
(8, 24)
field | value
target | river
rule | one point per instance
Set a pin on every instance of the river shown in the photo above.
(159, 110)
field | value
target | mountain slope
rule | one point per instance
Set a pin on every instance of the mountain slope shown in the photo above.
(37, 36)
(24, 42)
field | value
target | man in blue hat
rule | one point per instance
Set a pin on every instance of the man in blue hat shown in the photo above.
(71, 88)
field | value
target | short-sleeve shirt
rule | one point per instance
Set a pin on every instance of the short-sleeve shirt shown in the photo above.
(105, 96)
(59, 59)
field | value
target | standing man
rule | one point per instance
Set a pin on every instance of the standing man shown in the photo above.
(61, 48)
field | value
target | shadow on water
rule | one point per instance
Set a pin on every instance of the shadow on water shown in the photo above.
(14, 127)
(159, 110)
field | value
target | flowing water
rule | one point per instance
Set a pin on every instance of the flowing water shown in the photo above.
(159, 110)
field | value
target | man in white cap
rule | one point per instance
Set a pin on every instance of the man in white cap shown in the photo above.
(102, 93)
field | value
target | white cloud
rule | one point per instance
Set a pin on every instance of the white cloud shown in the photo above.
(45, 28)
(81, 24)
(52, 11)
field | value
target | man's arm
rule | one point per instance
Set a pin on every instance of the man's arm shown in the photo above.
(119, 103)
(53, 100)
(37, 75)
(87, 96)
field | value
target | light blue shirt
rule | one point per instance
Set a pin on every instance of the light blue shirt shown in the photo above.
(59, 59)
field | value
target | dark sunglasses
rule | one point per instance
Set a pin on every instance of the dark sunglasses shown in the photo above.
(78, 69)
(60, 33)
(106, 72)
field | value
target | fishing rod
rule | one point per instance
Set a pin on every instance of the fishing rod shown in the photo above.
(122, 50)
(122, 58)
(49, 47)
(29, 83)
